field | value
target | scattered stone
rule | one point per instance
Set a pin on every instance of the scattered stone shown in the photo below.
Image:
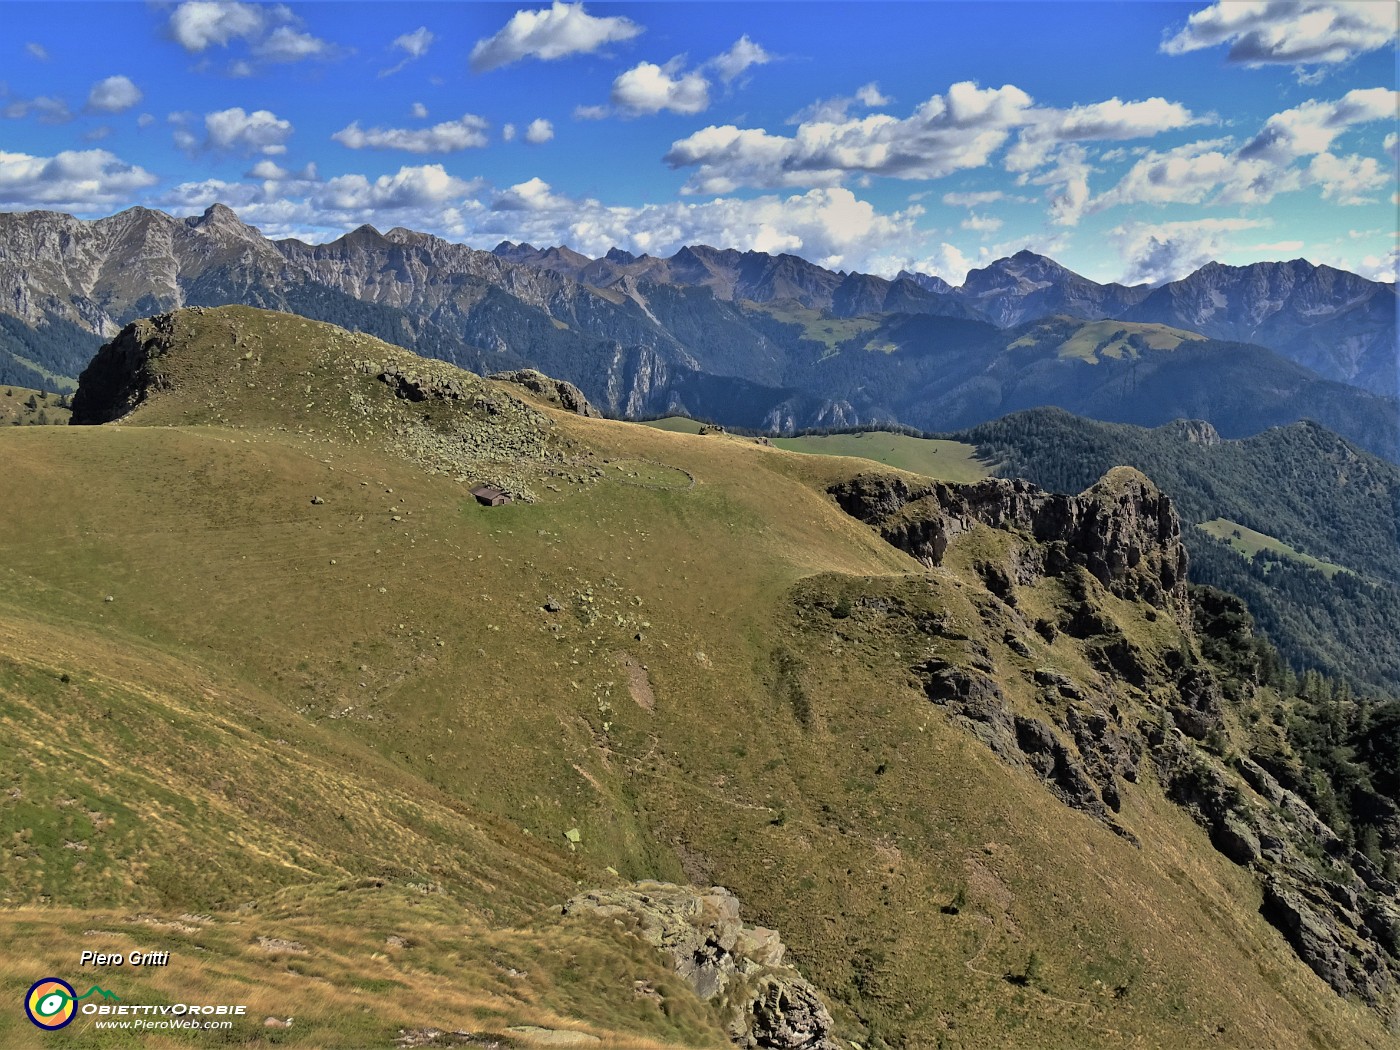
(317, 500)
(279, 944)
(432, 1037)
(552, 1036)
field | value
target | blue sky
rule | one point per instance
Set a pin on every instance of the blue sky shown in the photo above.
(1131, 141)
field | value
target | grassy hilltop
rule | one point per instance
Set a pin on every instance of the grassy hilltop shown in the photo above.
(279, 696)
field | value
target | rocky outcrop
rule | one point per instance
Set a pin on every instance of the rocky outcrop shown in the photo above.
(1338, 912)
(556, 391)
(123, 373)
(1195, 431)
(766, 1003)
(1123, 529)
(1083, 771)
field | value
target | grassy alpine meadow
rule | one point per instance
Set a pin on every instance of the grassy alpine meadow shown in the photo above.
(1249, 542)
(279, 696)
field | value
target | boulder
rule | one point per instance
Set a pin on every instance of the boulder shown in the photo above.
(766, 1002)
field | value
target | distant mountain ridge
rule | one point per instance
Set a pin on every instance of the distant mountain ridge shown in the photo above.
(1336, 323)
(745, 338)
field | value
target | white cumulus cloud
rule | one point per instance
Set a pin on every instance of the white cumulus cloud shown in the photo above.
(982, 223)
(199, 24)
(1211, 172)
(539, 130)
(1310, 128)
(267, 169)
(272, 31)
(958, 130)
(113, 95)
(1112, 120)
(287, 44)
(1288, 32)
(835, 110)
(555, 32)
(47, 109)
(73, 180)
(1350, 179)
(448, 137)
(236, 131)
(648, 88)
(414, 46)
(947, 133)
(1158, 252)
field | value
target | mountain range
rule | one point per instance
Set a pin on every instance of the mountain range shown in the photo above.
(744, 338)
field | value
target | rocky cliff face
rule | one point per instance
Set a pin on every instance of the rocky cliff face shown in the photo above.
(123, 373)
(766, 1002)
(1122, 530)
(556, 391)
(1150, 713)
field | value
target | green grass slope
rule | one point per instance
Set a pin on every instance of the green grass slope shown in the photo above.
(22, 407)
(333, 701)
(1091, 341)
(1250, 542)
(945, 460)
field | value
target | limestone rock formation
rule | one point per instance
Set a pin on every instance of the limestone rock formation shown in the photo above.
(768, 1004)
(1123, 529)
(555, 391)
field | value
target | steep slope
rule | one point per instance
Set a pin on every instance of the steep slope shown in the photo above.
(675, 656)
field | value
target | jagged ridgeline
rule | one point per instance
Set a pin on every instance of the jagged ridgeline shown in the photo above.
(1298, 521)
(280, 696)
(743, 338)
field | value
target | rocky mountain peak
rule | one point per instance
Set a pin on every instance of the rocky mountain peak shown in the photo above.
(365, 236)
(220, 218)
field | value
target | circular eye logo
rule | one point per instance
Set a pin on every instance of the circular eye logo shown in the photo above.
(50, 1003)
